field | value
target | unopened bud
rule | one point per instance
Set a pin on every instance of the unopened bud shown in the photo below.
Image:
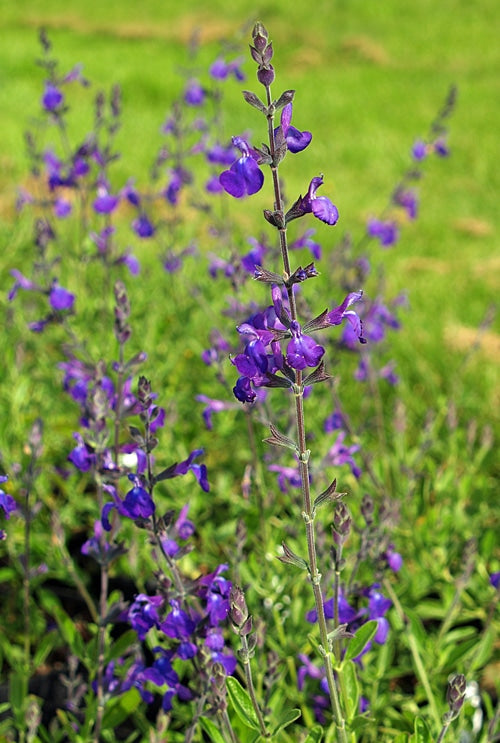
(342, 519)
(455, 693)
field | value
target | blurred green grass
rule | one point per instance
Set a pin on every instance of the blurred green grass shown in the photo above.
(369, 81)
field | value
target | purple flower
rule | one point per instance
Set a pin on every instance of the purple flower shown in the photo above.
(178, 624)
(419, 150)
(296, 141)
(21, 283)
(105, 202)
(387, 233)
(339, 454)
(302, 350)
(143, 227)
(287, 477)
(320, 206)
(334, 422)
(495, 579)
(305, 241)
(52, 97)
(408, 200)
(62, 208)
(221, 69)
(244, 177)
(243, 390)
(137, 503)
(143, 614)
(198, 470)
(82, 456)
(7, 502)
(194, 95)
(60, 298)
(341, 313)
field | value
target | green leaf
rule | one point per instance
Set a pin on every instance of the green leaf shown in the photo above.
(242, 703)
(484, 649)
(422, 732)
(118, 710)
(47, 643)
(288, 717)
(362, 637)
(18, 689)
(122, 644)
(211, 729)
(351, 685)
(315, 735)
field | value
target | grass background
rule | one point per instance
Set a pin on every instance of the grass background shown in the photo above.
(370, 80)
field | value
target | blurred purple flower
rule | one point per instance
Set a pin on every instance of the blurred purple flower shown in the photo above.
(52, 98)
(143, 227)
(387, 233)
(60, 298)
(194, 94)
(339, 454)
(7, 502)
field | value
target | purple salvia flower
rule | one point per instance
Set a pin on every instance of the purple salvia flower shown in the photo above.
(341, 313)
(143, 614)
(105, 202)
(52, 98)
(7, 502)
(408, 200)
(143, 227)
(302, 351)
(387, 233)
(62, 208)
(60, 298)
(194, 95)
(296, 141)
(244, 177)
(339, 454)
(320, 206)
(419, 150)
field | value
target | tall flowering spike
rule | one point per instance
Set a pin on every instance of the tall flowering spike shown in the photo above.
(244, 177)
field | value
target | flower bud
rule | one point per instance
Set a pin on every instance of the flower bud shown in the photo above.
(260, 37)
(265, 75)
(455, 693)
(342, 520)
(238, 612)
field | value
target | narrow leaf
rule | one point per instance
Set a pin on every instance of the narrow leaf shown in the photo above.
(422, 732)
(328, 495)
(290, 558)
(362, 637)
(315, 735)
(242, 703)
(351, 684)
(288, 717)
(279, 439)
(211, 729)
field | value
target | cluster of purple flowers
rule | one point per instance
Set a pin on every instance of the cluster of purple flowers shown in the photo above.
(263, 363)
(190, 630)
